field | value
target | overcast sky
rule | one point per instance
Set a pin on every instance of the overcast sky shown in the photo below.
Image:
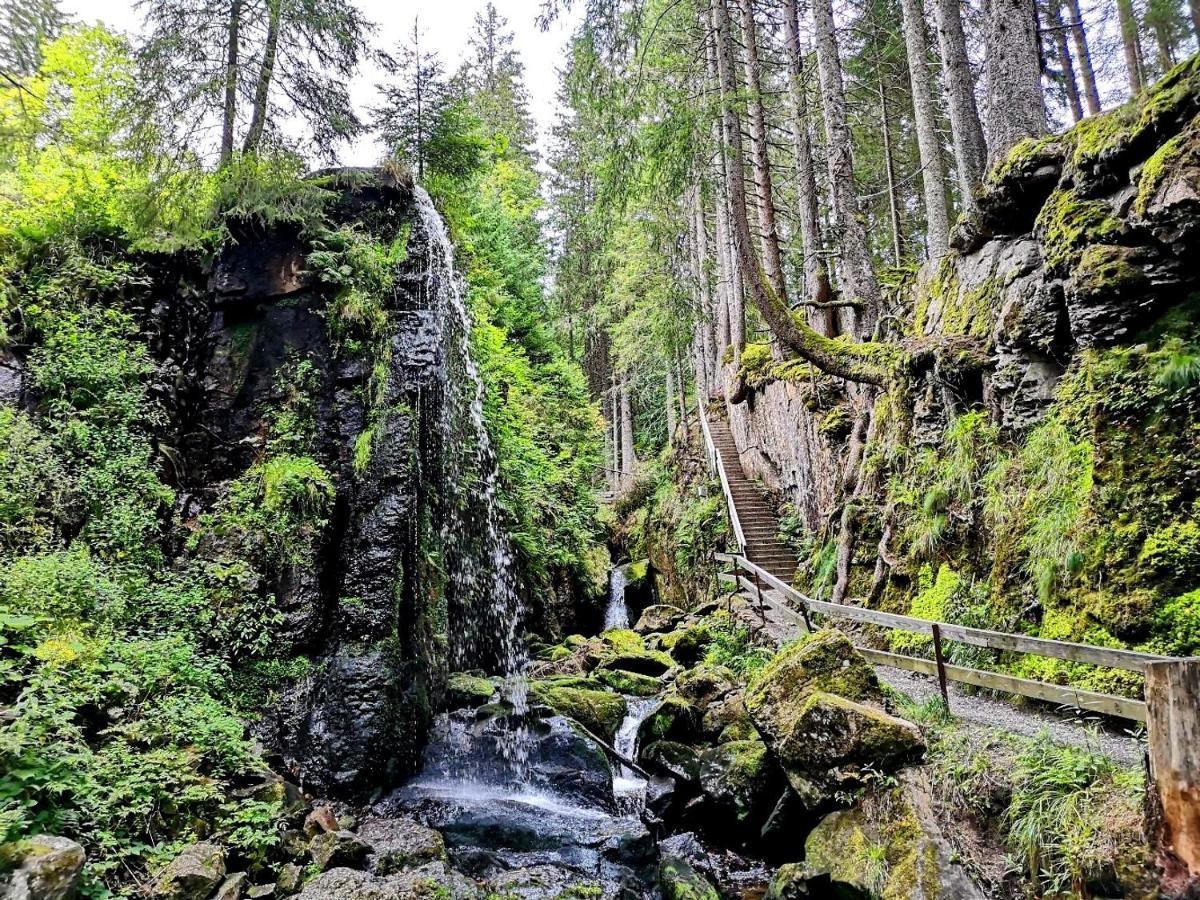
(444, 23)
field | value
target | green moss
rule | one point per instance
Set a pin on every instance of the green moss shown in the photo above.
(629, 683)
(1173, 552)
(824, 661)
(1166, 158)
(930, 603)
(1177, 626)
(599, 711)
(1025, 157)
(1068, 223)
(757, 363)
(681, 882)
(464, 689)
(1106, 270)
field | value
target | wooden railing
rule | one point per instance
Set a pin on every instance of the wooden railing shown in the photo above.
(717, 465)
(1091, 701)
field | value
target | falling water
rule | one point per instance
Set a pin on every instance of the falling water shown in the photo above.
(629, 788)
(617, 613)
(485, 608)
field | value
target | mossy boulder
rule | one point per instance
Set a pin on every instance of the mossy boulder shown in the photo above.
(398, 844)
(889, 844)
(466, 689)
(727, 720)
(333, 849)
(44, 867)
(596, 709)
(825, 742)
(817, 706)
(705, 683)
(629, 683)
(824, 661)
(192, 875)
(673, 719)
(659, 617)
(625, 649)
(742, 780)
(679, 881)
(676, 759)
(687, 645)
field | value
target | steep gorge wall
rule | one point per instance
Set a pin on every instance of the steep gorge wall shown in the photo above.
(1041, 471)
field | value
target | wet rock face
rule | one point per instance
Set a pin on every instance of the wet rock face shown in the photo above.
(235, 343)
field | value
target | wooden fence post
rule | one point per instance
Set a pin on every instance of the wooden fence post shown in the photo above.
(1173, 719)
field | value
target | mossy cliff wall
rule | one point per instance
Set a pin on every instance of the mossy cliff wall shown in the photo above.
(1041, 472)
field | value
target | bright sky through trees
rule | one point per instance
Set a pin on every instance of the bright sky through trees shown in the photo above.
(444, 24)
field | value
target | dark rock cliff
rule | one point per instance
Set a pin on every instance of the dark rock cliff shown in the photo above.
(257, 368)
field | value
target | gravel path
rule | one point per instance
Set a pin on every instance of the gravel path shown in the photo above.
(1067, 727)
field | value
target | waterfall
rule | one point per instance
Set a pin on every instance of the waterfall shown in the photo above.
(485, 610)
(629, 788)
(617, 613)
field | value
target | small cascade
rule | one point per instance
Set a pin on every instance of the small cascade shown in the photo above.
(616, 615)
(629, 788)
(485, 609)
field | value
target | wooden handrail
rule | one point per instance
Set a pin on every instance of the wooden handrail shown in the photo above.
(1129, 660)
(1088, 701)
(717, 465)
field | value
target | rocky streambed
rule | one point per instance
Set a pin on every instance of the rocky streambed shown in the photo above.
(634, 768)
(628, 765)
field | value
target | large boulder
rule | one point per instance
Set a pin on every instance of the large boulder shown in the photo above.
(742, 783)
(623, 649)
(677, 760)
(630, 683)
(660, 617)
(598, 710)
(433, 881)
(889, 844)
(673, 719)
(335, 849)
(468, 689)
(705, 683)
(400, 843)
(688, 644)
(680, 881)
(818, 707)
(192, 875)
(45, 867)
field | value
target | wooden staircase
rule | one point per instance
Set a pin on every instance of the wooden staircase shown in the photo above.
(759, 524)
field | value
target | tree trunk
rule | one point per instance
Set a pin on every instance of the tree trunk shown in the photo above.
(772, 257)
(1165, 47)
(970, 150)
(856, 277)
(1131, 42)
(615, 404)
(856, 362)
(1058, 34)
(889, 171)
(1016, 108)
(672, 419)
(1194, 8)
(261, 90)
(1083, 56)
(933, 173)
(816, 276)
(231, 76)
(628, 455)
(710, 320)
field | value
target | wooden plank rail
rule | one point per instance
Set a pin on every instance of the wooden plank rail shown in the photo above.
(1089, 701)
